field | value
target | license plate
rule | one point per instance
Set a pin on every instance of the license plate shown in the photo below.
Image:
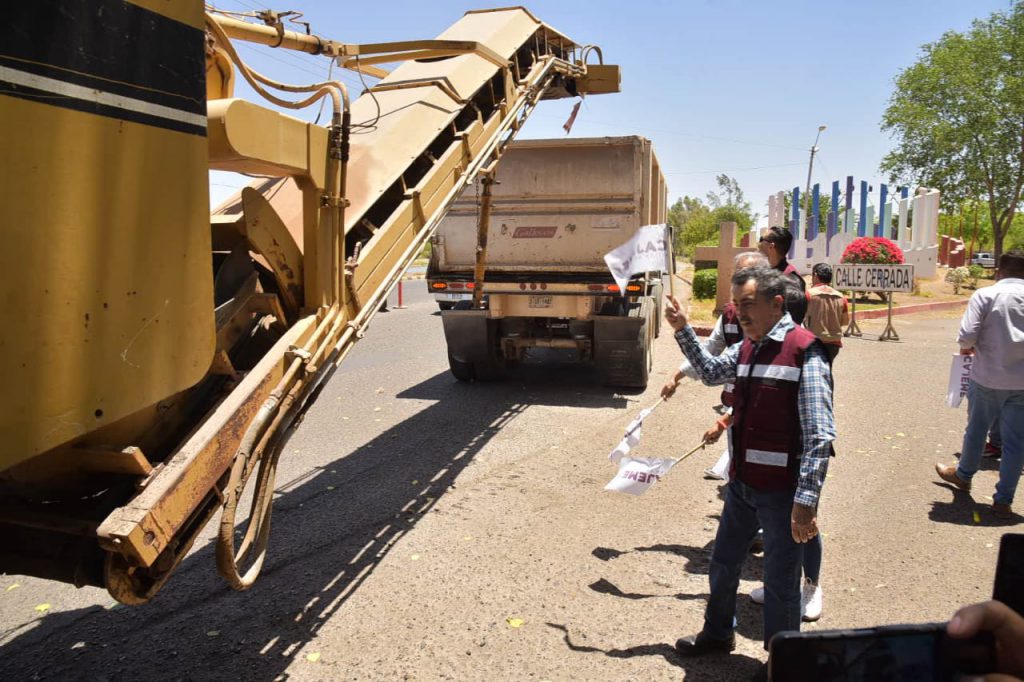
(454, 297)
(540, 301)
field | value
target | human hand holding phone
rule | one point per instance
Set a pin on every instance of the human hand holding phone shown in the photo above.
(1005, 624)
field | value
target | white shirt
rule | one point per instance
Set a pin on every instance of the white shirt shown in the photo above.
(714, 345)
(994, 326)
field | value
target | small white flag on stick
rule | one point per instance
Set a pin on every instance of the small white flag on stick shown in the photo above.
(648, 250)
(959, 379)
(637, 474)
(632, 437)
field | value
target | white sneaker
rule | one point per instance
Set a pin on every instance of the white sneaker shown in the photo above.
(757, 595)
(712, 474)
(810, 600)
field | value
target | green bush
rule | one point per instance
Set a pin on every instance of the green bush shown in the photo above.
(957, 277)
(975, 272)
(705, 283)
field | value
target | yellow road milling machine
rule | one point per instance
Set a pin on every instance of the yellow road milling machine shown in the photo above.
(154, 355)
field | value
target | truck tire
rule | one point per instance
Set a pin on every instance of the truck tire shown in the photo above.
(463, 371)
(445, 305)
(647, 310)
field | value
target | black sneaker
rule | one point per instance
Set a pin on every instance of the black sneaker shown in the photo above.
(700, 645)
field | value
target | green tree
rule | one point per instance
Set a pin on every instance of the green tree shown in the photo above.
(957, 116)
(703, 230)
(680, 214)
(728, 194)
(695, 223)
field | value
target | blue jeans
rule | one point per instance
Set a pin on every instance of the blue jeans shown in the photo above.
(995, 436)
(746, 510)
(812, 559)
(984, 405)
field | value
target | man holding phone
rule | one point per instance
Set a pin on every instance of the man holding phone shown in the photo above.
(782, 439)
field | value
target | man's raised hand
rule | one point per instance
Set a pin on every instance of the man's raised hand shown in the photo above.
(674, 313)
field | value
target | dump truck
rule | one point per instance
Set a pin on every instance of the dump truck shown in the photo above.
(537, 268)
(157, 355)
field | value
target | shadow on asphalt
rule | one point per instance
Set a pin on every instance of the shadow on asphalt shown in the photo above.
(698, 559)
(332, 527)
(965, 511)
(604, 586)
(749, 616)
(729, 667)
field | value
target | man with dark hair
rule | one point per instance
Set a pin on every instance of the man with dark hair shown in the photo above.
(827, 310)
(782, 438)
(992, 329)
(774, 244)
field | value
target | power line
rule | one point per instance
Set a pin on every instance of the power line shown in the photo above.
(734, 170)
(681, 134)
(299, 60)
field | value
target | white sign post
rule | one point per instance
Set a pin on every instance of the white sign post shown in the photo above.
(878, 278)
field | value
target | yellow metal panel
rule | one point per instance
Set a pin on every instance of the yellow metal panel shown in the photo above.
(107, 276)
(600, 79)
(246, 137)
(410, 119)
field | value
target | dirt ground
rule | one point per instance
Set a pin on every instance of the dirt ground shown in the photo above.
(426, 529)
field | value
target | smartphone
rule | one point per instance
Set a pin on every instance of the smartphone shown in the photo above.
(1009, 587)
(889, 653)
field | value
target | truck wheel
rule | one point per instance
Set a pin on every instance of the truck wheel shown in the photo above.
(463, 371)
(645, 371)
(445, 305)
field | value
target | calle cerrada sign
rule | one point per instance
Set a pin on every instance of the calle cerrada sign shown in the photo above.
(873, 277)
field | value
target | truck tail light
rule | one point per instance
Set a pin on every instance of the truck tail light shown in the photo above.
(595, 287)
(438, 285)
(455, 285)
(634, 287)
(614, 288)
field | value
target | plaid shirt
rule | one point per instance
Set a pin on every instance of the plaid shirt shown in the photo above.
(814, 400)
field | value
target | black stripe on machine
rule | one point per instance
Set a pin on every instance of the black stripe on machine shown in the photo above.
(126, 54)
(95, 106)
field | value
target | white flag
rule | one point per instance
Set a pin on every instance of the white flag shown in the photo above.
(646, 251)
(959, 379)
(637, 474)
(632, 437)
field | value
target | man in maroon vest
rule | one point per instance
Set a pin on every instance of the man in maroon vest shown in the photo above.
(774, 244)
(726, 333)
(783, 431)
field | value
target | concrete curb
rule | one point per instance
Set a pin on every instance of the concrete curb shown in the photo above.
(879, 312)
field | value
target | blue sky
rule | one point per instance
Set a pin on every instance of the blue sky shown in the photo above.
(719, 85)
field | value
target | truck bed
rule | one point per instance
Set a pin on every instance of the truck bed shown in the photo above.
(561, 205)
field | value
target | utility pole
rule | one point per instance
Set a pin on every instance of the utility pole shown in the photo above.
(807, 191)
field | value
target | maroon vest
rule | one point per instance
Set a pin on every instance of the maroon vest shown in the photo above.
(767, 438)
(733, 334)
(791, 272)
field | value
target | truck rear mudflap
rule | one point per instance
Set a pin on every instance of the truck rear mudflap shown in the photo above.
(621, 350)
(472, 340)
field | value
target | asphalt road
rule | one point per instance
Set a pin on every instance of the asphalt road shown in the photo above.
(429, 529)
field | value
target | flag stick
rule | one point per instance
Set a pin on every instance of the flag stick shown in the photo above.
(699, 447)
(651, 409)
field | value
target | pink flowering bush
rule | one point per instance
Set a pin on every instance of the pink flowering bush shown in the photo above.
(872, 250)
